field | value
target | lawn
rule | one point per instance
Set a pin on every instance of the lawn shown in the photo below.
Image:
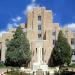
(15, 73)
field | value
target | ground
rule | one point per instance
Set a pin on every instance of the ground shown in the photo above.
(3, 70)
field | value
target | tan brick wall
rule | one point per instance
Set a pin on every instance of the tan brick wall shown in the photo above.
(47, 27)
(5, 36)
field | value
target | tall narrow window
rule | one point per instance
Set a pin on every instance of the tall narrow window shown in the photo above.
(36, 50)
(44, 37)
(39, 18)
(54, 33)
(39, 27)
(72, 41)
(73, 53)
(54, 41)
(39, 36)
(43, 54)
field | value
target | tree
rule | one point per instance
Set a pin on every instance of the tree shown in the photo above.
(62, 51)
(18, 49)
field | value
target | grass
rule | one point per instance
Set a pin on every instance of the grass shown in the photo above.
(15, 73)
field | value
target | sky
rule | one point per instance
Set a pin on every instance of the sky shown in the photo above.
(13, 12)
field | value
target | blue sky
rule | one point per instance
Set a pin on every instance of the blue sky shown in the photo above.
(12, 12)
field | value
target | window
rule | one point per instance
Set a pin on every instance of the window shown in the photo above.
(42, 51)
(73, 60)
(54, 32)
(44, 37)
(39, 18)
(39, 35)
(72, 41)
(43, 54)
(54, 41)
(36, 50)
(39, 27)
(73, 53)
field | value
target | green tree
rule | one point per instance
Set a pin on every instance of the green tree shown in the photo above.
(18, 49)
(62, 51)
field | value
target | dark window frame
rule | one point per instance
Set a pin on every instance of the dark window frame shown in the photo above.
(39, 35)
(72, 41)
(39, 18)
(39, 27)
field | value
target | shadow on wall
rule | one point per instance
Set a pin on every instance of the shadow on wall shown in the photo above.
(50, 61)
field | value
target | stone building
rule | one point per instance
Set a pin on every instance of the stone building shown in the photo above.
(41, 33)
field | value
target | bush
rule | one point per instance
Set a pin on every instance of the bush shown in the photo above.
(2, 65)
(18, 50)
(72, 65)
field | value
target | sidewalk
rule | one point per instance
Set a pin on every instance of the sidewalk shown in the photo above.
(3, 70)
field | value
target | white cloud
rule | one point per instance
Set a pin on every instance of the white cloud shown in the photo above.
(15, 25)
(10, 25)
(14, 20)
(18, 18)
(30, 7)
(2, 33)
(71, 26)
(33, 1)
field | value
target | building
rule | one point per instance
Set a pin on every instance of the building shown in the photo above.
(41, 33)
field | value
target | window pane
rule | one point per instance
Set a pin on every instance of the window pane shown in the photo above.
(54, 32)
(39, 27)
(39, 35)
(54, 41)
(39, 17)
(72, 41)
(36, 50)
(73, 53)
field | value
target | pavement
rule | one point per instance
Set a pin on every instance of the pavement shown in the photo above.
(3, 70)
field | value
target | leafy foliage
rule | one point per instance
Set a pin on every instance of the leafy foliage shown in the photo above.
(18, 49)
(61, 52)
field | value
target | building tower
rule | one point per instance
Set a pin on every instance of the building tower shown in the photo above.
(39, 32)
